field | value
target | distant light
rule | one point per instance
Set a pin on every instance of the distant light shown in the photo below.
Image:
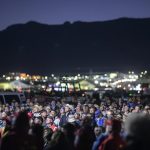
(57, 83)
(129, 85)
(96, 82)
(63, 84)
(8, 78)
(4, 76)
(106, 85)
(86, 88)
(17, 78)
(75, 78)
(132, 72)
(96, 89)
(46, 77)
(52, 75)
(145, 71)
(78, 75)
(113, 75)
(86, 77)
(118, 86)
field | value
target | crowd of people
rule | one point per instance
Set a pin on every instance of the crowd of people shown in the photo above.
(76, 124)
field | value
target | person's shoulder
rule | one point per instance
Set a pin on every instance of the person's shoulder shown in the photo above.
(9, 135)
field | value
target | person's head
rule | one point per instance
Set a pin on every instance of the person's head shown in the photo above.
(62, 110)
(68, 129)
(35, 109)
(137, 109)
(78, 108)
(53, 113)
(58, 139)
(145, 111)
(38, 120)
(3, 115)
(126, 108)
(137, 130)
(49, 120)
(137, 125)
(92, 110)
(44, 113)
(67, 109)
(38, 130)
(109, 114)
(85, 108)
(86, 121)
(22, 123)
(47, 134)
(97, 131)
(77, 116)
(116, 126)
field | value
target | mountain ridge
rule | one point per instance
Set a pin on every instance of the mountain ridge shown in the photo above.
(120, 44)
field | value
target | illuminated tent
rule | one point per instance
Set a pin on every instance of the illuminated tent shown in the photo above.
(19, 85)
(6, 86)
(85, 85)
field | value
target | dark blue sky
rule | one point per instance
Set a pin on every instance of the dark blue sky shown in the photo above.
(59, 11)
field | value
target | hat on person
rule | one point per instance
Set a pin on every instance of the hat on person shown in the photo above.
(71, 118)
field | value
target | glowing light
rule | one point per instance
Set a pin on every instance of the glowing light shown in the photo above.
(118, 86)
(86, 77)
(17, 78)
(113, 75)
(57, 83)
(8, 78)
(96, 89)
(43, 86)
(75, 78)
(63, 84)
(106, 85)
(96, 82)
(145, 71)
(86, 88)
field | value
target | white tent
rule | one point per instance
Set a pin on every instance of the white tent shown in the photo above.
(85, 85)
(19, 85)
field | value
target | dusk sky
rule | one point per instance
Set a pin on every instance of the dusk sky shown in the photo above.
(59, 11)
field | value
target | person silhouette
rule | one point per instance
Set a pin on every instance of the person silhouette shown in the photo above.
(19, 138)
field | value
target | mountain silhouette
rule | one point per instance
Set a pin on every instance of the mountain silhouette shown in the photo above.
(116, 45)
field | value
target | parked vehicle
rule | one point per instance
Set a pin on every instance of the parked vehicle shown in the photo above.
(8, 97)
